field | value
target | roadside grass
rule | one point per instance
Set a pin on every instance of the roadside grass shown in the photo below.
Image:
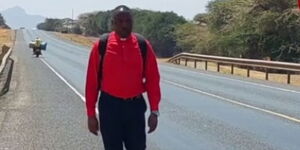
(6, 41)
(79, 39)
(5, 37)
(163, 60)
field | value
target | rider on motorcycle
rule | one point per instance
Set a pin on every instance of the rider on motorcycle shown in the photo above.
(37, 45)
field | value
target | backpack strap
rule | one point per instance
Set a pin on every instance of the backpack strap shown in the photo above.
(102, 50)
(143, 47)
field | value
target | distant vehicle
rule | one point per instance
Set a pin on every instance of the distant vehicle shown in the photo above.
(22, 28)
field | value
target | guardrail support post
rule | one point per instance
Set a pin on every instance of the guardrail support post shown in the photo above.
(179, 60)
(289, 78)
(232, 68)
(206, 65)
(248, 72)
(195, 64)
(186, 61)
(267, 74)
(218, 67)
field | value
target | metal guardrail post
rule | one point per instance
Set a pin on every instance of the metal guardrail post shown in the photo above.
(289, 78)
(195, 64)
(186, 61)
(206, 65)
(248, 72)
(218, 67)
(267, 74)
(232, 69)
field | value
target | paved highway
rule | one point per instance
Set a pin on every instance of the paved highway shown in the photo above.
(199, 110)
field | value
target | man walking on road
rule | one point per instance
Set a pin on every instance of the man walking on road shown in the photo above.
(122, 65)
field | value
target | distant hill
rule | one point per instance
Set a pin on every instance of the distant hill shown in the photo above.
(16, 17)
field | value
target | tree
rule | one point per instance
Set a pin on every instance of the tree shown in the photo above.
(51, 25)
(89, 23)
(2, 23)
(76, 29)
(158, 27)
(246, 28)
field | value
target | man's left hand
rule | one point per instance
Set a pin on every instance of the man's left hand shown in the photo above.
(152, 122)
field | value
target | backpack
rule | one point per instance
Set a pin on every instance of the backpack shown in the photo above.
(103, 44)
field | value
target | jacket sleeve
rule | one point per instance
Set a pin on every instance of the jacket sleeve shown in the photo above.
(92, 81)
(152, 79)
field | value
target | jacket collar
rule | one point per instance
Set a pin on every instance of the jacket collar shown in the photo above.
(120, 38)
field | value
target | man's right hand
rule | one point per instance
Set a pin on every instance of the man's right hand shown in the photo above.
(93, 125)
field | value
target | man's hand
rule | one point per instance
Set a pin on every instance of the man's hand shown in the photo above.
(152, 122)
(93, 125)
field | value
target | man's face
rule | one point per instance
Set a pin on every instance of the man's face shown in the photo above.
(123, 24)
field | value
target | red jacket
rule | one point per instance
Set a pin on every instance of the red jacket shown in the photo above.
(122, 72)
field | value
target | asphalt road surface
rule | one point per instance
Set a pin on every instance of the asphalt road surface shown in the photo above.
(44, 108)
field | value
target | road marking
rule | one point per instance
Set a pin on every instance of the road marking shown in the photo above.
(234, 101)
(67, 83)
(64, 80)
(257, 84)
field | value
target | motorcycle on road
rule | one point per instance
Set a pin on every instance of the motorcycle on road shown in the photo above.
(37, 50)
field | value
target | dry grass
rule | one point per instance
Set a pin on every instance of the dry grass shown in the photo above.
(80, 39)
(163, 60)
(7, 40)
(5, 37)
(275, 77)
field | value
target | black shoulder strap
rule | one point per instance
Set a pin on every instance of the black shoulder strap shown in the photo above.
(102, 50)
(103, 44)
(143, 45)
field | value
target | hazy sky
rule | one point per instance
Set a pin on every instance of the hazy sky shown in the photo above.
(63, 8)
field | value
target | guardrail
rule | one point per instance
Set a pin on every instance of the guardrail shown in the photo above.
(6, 51)
(6, 65)
(249, 64)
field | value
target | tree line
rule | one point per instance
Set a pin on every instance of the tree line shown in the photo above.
(158, 27)
(256, 29)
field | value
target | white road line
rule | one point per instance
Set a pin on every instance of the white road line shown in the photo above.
(234, 102)
(64, 80)
(67, 83)
(252, 83)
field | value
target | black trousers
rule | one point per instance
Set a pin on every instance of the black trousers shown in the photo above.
(122, 122)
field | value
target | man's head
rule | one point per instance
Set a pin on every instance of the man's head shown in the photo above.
(122, 21)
